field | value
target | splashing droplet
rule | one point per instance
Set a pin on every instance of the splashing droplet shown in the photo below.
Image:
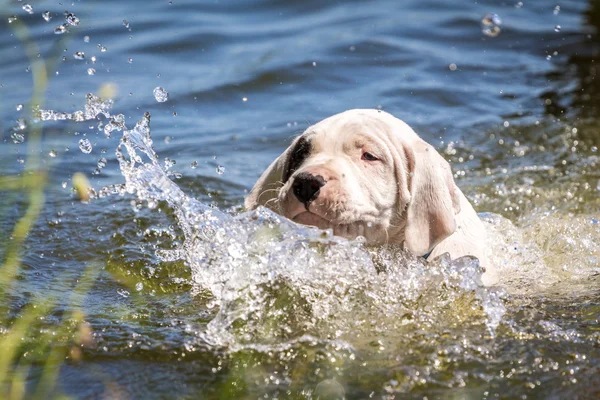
(12, 19)
(126, 24)
(452, 67)
(19, 107)
(490, 24)
(72, 19)
(130, 60)
(53, 153)
(86, 39)
(160, 94)
(79, 55)
(220, 170)
(17, 137)
(194, 164)
(47, 16)
(91, 71)
(102, 48)
(123, 292)
(556, 10)
(28, 8)
(85, 146)
(557, 28)
(169, 163)
(59, 30)
(139, 286)
(102, 162)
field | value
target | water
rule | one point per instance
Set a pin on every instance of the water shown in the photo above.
(195, 298)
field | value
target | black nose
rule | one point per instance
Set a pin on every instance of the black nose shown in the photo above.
(306, 187)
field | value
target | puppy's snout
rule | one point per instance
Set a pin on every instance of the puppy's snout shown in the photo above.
(306, 187)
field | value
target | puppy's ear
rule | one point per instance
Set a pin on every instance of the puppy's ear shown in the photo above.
(434, 199)
(268, 185)
(266, 189)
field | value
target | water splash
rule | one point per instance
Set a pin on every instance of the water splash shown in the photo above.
(160, 94)
(490, 24)
(275, 284)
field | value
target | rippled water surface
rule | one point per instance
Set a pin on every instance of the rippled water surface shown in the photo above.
(192, 297)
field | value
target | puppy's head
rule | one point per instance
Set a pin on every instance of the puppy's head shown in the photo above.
(363, 172)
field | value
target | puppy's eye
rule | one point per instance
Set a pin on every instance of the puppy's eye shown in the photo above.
(369, 157)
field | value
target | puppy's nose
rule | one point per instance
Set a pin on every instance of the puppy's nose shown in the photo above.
(306, 187)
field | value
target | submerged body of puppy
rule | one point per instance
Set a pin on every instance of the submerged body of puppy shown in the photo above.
(367, 173)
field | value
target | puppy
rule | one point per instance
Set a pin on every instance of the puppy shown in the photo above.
(367, 173)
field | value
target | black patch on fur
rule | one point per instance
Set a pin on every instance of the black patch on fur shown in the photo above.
(297, 156)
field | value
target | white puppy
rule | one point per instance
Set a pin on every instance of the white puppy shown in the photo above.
(367, 173)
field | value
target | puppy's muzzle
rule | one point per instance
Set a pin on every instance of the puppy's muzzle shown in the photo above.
(306, 187)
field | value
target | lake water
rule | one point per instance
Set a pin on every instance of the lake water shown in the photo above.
(193, 299)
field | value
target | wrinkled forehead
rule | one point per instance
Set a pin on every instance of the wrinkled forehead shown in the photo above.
(348, 129)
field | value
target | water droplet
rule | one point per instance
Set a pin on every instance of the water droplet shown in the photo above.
(519, 4)
(594, 149)
(86, 39)
(314, 63)
(53, 153)
(126, 24)
(102, 162)
(93, 59)
(452, 67)
(169, 163)
(557, 28)
(19, 107)
(17, 137)
(72, 19)
(47, 16)
(556, 10)
(64, 185)
(506, 124)
(244, 99)
(85, 146)
(220, 170)
(12, 19)
(91, 71)
(20, 160)
(160, 94)
(139, 286)
(194, 164)
(102, 48)
(79, 55)
(490, 24)
(123, 292)
(59, 30)
(130, 60)
(28, 8)
(548, 57)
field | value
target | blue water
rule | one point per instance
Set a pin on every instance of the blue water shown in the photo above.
(517, 119)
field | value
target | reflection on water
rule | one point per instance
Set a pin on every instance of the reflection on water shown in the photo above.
(197, 298)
